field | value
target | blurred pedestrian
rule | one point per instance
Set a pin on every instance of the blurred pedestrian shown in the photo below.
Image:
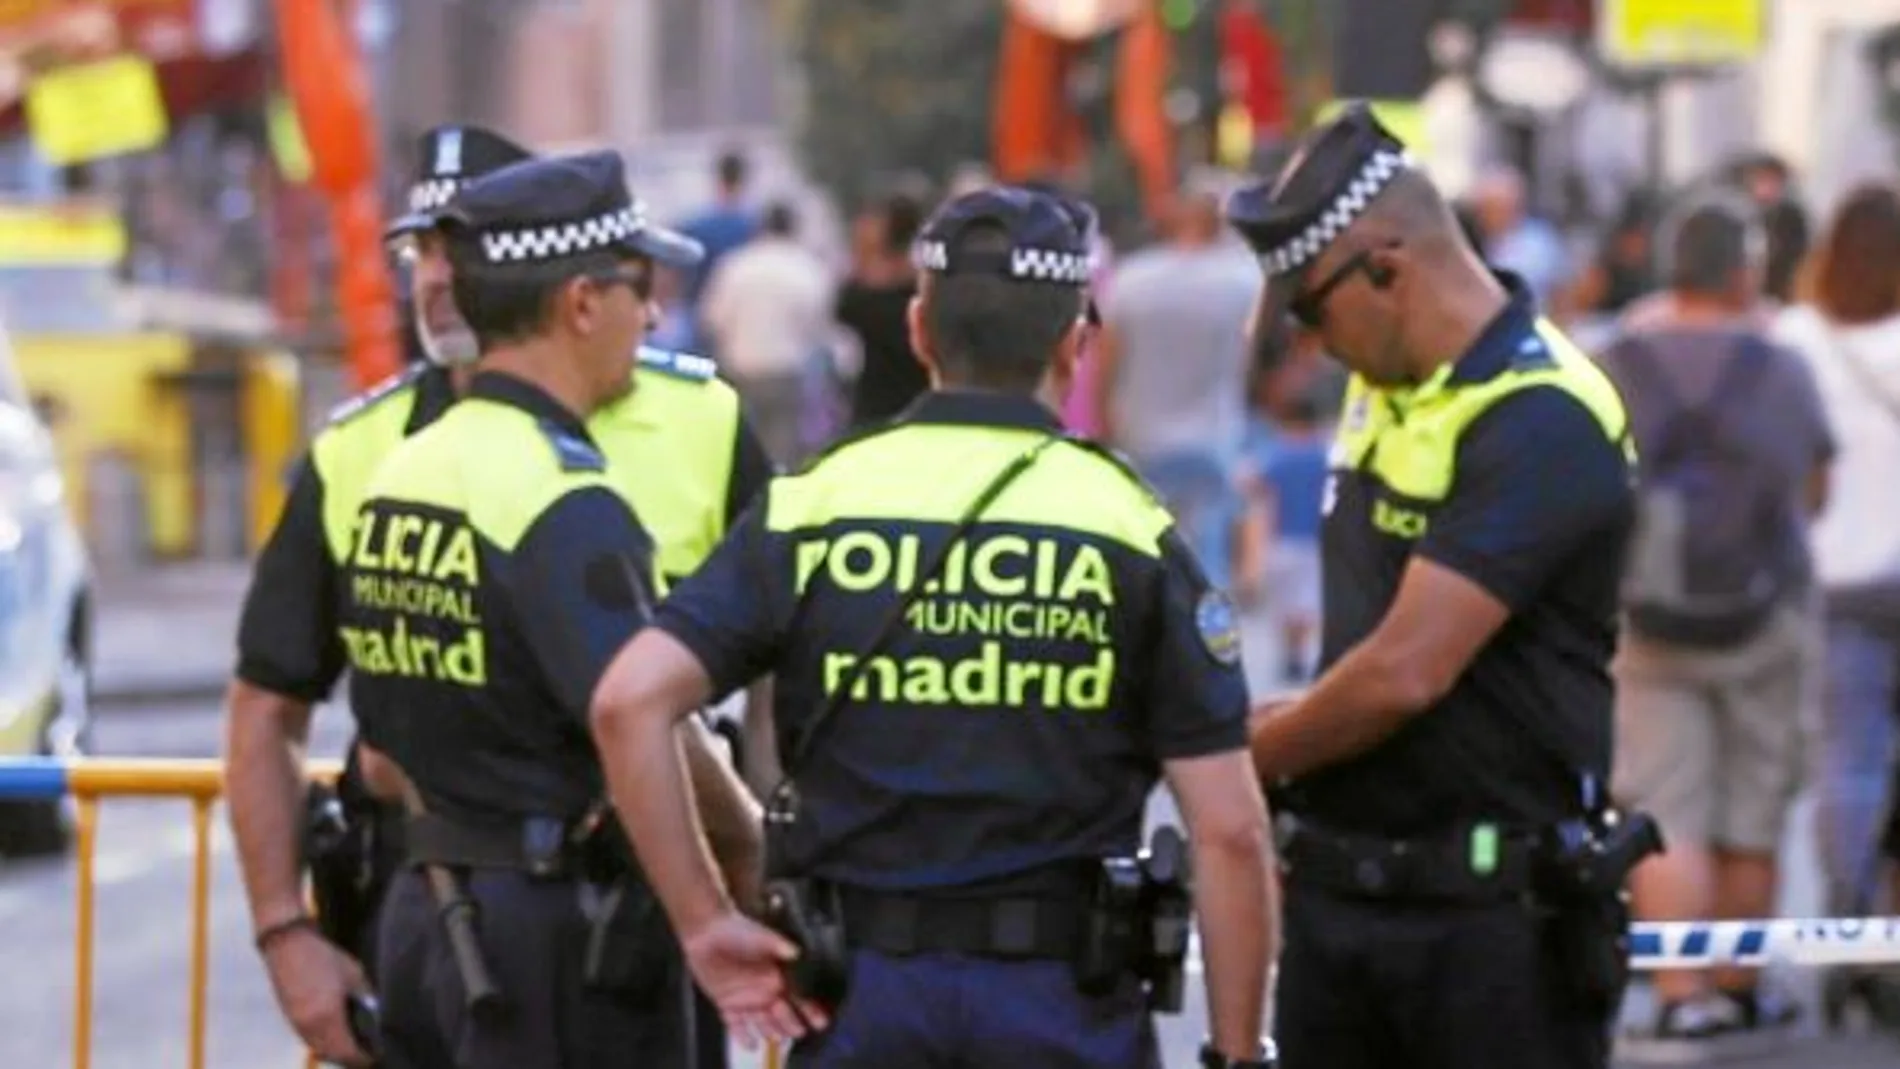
(1769, 182)
(1173, 356)
(1847, 326)
(872, 304)
(729, 222)
(1515, 238)
(1712, 671)
(1624, 267)
(767, 310)
(1285, 476)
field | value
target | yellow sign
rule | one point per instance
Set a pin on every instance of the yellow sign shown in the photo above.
(88, 112)
(1404, 118)
(1646, 33)
(42, 234)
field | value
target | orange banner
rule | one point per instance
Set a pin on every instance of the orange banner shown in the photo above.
(1035, 132)
(323, 70)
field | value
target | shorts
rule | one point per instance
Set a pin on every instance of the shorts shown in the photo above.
(1714, 744)
(1292, 580)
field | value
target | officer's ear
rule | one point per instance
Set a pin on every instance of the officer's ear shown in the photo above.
(919, 337)
(1068, 353)
(577, 304)
(1386, 265)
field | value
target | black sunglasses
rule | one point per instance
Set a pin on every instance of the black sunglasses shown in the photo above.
(1310, 307)
(637, 279)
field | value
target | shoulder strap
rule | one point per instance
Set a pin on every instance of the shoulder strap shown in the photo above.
(1639, 363)
(1738, 379)
(782, 807)
(1863, 374)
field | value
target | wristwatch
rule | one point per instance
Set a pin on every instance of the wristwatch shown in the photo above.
(1268, 1058)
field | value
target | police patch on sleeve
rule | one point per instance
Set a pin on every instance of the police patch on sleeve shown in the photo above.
(574, 453)
(1215, 622)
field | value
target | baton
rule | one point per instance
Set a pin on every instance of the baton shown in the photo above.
(457, 912)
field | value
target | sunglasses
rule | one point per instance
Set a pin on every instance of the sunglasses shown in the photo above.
(637, 279)
(1309, 307)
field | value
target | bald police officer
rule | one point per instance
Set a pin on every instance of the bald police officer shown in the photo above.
(1453, 870)
(988, 642)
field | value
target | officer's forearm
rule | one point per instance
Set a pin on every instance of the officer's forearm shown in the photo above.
(1233, 889)
(264, 789)
(648, 779)
(731, 816)
(1357, 704)
(652, 684)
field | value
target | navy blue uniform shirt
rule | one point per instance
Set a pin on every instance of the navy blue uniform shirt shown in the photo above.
(1512, 469)
(495, 573)
(1018, 718)
(287, 638)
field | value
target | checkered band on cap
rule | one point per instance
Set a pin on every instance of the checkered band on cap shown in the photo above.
(1026, 263)
(931, 256)
(432, 194)
(563, 239)
(1347, 206)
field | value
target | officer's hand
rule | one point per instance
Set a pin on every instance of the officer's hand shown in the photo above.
(740, 965)
(313, 978)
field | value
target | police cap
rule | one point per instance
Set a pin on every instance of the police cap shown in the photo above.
(549, 210)
(1047, 242)
(1334, 175)
(446, 157)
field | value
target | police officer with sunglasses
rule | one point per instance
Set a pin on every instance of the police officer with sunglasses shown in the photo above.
(1453, 869)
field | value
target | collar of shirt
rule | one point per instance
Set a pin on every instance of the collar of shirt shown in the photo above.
(982, 408)
(434, 394)
(509, 390)
(1507, 339)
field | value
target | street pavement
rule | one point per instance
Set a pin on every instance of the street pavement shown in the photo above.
(144, 872)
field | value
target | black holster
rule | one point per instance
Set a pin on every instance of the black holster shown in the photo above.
(339, 850)
(1580, 887)
(807, 912)
(352, 845)
(1140, 915)
(629, 948)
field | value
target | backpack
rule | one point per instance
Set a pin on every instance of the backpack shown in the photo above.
(1707, 565)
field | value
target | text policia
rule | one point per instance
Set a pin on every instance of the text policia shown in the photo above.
(1049, 601)
(417, 577)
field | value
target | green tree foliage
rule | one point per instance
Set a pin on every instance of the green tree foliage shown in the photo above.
(893, 87)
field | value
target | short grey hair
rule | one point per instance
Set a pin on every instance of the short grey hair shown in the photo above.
(1708, 238)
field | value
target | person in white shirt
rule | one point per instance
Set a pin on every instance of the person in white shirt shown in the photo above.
(767, 308)
(1847, 325)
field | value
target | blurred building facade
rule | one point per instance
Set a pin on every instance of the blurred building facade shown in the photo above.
(669, 82)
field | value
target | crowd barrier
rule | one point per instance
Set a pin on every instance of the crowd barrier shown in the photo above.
(1674, 945)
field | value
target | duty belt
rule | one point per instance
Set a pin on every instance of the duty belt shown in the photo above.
(538, 846)
(904, 925)
(1482, 864)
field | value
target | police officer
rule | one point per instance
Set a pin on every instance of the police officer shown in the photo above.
(289, 655)
(493, 570)
(1441, 787)
(680, 429)
(988, 641)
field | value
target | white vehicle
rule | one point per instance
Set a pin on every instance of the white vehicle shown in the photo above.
(45, 618)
